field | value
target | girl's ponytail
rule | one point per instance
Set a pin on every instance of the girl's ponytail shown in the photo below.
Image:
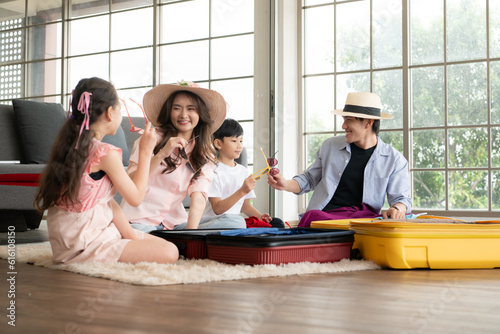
(60, 181)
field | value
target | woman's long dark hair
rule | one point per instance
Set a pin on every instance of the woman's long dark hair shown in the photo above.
(203, 150)
(60, 182)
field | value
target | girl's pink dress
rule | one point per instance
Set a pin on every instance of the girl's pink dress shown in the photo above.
(85, 232)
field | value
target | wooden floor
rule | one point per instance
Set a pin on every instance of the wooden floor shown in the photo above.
(381, 301)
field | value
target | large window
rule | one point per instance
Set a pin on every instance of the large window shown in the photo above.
(435, 65)
(48, 46)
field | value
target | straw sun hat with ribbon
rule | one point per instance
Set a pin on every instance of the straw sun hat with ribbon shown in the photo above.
(362, 105)
(155, 98)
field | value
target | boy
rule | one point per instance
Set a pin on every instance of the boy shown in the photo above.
(232, 187)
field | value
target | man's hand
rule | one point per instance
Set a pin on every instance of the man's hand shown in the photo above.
(395, 212)
(276, 181)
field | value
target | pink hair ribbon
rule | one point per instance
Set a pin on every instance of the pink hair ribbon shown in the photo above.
(83, 107)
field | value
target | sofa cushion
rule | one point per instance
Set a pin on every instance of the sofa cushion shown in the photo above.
(10, 143)
(38, 124)
(131, 136)
(12, 168)
(19, 197)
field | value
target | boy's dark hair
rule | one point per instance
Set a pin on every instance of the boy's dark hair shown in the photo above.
(229, 128)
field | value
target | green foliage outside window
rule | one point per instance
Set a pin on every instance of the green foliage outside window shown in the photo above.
(454, 150)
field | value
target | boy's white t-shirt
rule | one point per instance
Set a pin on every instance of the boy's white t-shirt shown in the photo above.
(227, 180)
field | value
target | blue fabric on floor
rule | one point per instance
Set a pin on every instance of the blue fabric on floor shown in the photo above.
(408, 216)
(267, 230)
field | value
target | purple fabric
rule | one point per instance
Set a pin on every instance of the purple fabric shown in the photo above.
(364, 211)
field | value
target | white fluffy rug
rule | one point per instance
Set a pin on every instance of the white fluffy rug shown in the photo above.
(182, 272)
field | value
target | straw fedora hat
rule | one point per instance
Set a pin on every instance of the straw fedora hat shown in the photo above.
(155, 98)
(362, 105)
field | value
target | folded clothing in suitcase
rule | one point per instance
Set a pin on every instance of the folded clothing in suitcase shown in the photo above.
(279, 245)
(345, 224)
(191, 243)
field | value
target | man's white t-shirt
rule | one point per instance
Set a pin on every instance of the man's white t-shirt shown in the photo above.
(227, 180)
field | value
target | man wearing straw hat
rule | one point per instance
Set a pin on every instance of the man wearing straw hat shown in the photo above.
(353, 173)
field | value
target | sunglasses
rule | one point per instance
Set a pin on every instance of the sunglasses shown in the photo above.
(132, 127)
(270, 163)
(182, 153)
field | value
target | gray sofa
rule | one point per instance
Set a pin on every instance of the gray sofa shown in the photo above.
(16, 192)
(19, 173)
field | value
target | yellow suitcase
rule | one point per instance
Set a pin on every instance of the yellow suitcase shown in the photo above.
(428, 243)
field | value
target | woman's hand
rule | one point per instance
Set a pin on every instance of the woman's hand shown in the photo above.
(172, 144)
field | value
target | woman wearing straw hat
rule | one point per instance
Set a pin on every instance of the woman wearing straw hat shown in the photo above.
(353, 173)
(185, 116)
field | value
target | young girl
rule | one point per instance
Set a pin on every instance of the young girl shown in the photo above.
(185, 115)
(84, 221)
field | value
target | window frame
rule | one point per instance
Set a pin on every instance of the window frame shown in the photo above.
(407, 128)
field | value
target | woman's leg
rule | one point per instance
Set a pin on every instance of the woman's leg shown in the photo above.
(180, 226)
(143, 227)
(149, 249)
(218, 222)
(223, 221)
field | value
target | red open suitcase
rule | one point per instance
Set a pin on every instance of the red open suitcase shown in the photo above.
(271, 247)
(263, 245)
(191, 243)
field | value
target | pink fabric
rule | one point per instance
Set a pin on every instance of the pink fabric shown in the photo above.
(85, 232)
(165, 192)
(364, 211)
(92, 191)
